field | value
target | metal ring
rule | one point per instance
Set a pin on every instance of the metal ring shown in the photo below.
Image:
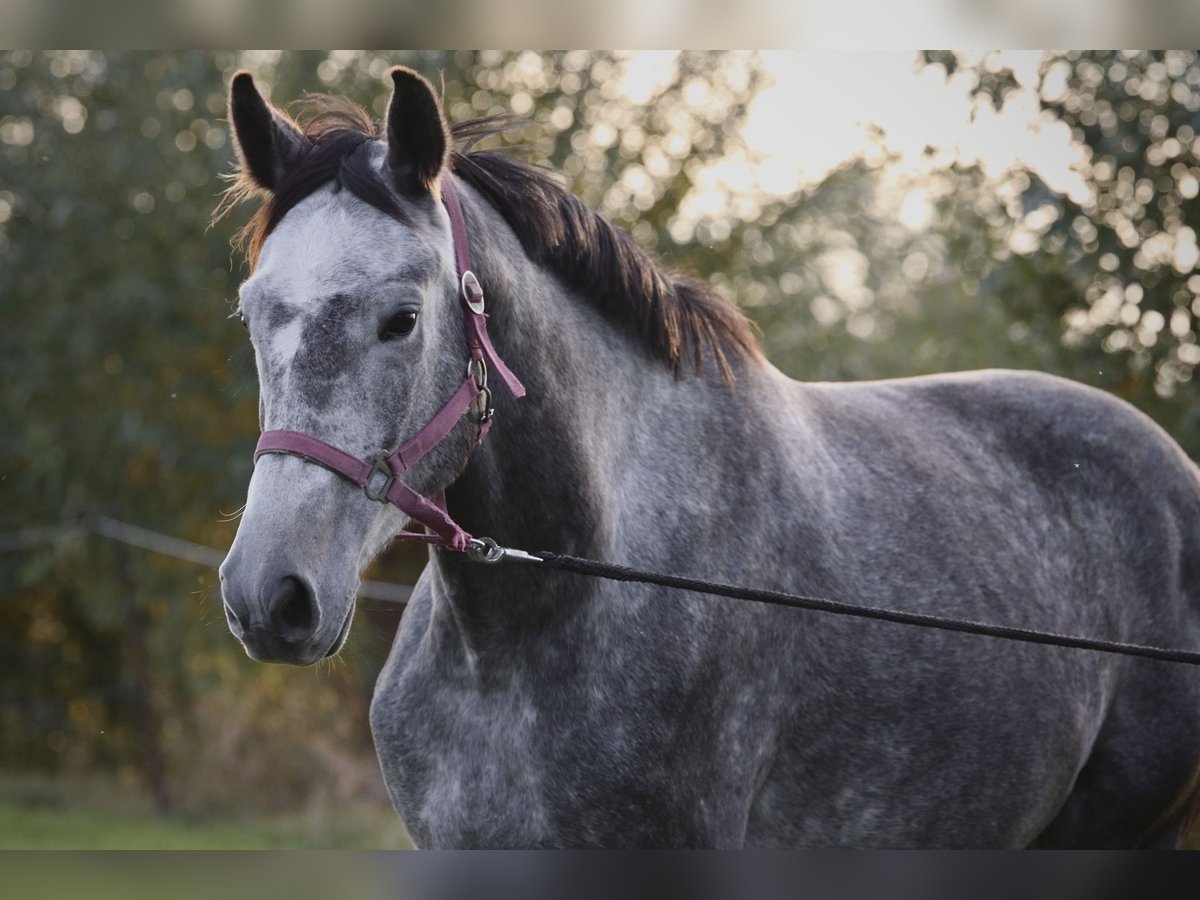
(484, 550)
(477, 370)
(472, 292)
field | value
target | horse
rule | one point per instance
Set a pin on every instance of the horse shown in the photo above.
(529, 708)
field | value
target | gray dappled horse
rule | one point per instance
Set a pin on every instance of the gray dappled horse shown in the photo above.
(526, 708)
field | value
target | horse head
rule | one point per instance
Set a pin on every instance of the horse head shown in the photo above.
(353, 310)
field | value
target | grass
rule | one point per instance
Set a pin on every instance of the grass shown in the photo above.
(40, 812)
(25, 828)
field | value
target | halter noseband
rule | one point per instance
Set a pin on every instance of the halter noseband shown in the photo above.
(379, 476)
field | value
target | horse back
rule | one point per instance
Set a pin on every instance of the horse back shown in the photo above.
(1031, 500)
(1031, 453)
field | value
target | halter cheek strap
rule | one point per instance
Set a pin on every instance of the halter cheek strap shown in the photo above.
(471, 292)
(379, 476)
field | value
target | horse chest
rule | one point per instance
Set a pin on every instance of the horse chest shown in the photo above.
(463, 767)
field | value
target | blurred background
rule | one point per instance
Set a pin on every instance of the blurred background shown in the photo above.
(876, 214)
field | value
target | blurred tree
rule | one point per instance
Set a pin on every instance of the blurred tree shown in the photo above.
(112, 369)
(845, 289)
(1126, 254)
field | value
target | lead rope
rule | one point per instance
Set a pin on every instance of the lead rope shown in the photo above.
(486, 550)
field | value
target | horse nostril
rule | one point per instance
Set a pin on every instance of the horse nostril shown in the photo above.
(293, 609)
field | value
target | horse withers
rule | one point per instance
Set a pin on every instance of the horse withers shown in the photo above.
(526, 708)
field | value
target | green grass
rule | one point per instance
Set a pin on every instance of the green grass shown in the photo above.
(44, 812)
(34, 828)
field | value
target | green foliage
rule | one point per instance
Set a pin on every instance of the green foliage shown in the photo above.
(1123, 256)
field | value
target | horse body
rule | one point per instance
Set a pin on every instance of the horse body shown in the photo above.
(517, 706)
(537, 708)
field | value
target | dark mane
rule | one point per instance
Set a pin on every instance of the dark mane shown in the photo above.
(678, 318)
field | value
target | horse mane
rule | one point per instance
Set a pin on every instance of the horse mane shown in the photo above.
(677, 318)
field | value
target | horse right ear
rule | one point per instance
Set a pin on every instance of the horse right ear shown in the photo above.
(418, 138)
(266, 141)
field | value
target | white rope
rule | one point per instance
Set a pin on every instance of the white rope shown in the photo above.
(165, 545)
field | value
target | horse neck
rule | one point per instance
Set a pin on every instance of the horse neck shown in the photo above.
(539, 479)
(550, 474)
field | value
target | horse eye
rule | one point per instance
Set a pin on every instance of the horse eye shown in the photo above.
(398, 325)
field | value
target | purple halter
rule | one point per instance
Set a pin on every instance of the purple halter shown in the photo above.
(379, 476)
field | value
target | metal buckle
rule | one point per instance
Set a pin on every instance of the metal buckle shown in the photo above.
(477, 370)
(488, 410)
(380, 467)
(472, 292)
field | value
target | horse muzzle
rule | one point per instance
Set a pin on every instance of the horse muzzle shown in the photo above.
(277, 617)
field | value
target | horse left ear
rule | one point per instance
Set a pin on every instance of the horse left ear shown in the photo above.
(417, 135)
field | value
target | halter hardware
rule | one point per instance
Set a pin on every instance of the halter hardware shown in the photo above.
(472, 292)
(486, 550)
(477, 371)
(379, 467)
(487, 411)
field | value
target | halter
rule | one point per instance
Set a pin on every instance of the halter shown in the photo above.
(379, 475)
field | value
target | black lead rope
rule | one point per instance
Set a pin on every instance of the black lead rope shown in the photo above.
(487, 550)
(836, 607)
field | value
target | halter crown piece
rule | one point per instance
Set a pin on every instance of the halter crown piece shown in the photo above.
(379, 476)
